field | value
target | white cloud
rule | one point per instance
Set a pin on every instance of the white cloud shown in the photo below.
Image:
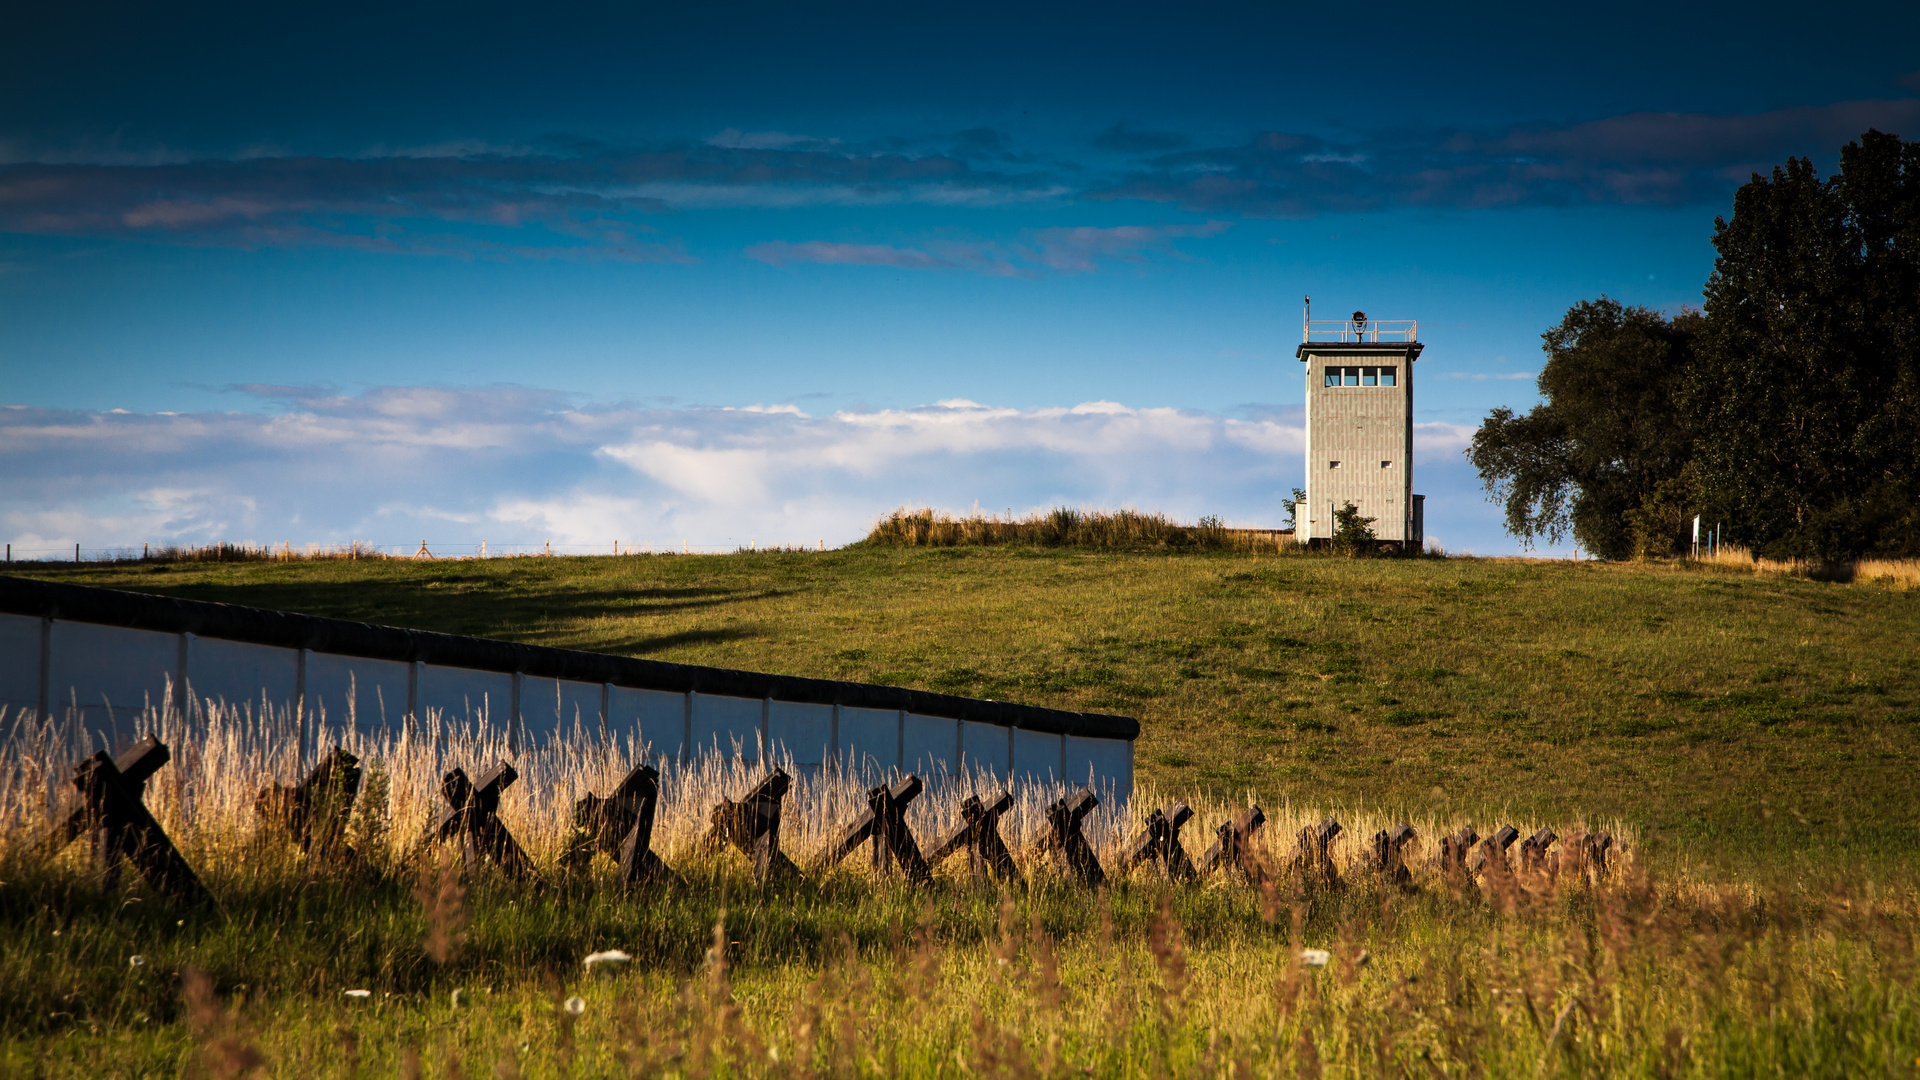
(515, 466)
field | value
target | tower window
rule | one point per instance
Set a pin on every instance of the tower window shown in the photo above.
(1386, 464)
(1333, 464)
(1360, 376)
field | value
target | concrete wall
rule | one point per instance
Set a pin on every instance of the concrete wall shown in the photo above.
(104, 676)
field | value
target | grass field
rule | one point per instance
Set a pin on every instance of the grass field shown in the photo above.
(1770, 720)
(1753, 735)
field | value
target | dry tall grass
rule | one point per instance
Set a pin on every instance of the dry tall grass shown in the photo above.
(1123, 530)
(1893, 573)
(223, 755)
(1522, 973)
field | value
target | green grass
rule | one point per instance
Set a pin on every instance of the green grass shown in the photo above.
(1757, 735)
(1767, 721)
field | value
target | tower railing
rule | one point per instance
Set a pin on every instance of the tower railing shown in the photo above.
(1349, 331)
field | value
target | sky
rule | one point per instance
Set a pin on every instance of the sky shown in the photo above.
(728, 274)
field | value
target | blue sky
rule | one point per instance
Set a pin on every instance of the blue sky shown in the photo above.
(760, 272)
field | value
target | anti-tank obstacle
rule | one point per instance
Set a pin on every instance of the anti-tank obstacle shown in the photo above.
(112, 807)
(472, 818)
(1159, 841)
(1233, 848)
(621, 827)
(979, 833)
(314, 812)
(884, 826)
(1312, 862)
(1384, 854)
(752, 827)
(1068, 845)
(1533, 851)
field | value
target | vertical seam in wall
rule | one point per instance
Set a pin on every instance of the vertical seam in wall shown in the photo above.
(900, 743)
(517, 690)
(412, 720)
(1010, 758)
(182, 690)
(686, 731)
(1063, 758)
(46, 670)
(766, 729)
(300, 704)
(606, 712)
(833, 739)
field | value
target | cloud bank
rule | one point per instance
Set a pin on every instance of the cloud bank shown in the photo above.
(517, 466)
(1041, 251)
(587, 200)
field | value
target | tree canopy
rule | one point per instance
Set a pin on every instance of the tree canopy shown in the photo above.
(1804, 390)
(1789, 408)
(1606, 438)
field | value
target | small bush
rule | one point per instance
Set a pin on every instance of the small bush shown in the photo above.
(1353, 534)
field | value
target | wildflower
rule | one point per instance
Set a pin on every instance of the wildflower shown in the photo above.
(459, 999)
(359, 995)
(136, 961)
(1315, 957)
(611, 960)
(576, 1006)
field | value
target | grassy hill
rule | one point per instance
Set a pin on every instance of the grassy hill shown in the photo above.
(1758, 733)
(1767, 721)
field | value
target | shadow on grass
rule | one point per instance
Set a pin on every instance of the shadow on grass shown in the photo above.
(510, 610)
(643, 646)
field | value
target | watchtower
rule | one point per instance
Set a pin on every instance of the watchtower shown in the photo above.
(1360, 426)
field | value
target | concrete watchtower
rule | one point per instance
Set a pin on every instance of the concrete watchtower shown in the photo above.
(1360, 426)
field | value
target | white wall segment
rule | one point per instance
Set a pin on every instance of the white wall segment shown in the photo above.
(930, 746)
(549, 707)
(240, 673)
(985, 747)
(804, 731)
(1035, 754)
(20, 674)
(90, 665)
(869, 739)
(111, 673)
(370, 693)
(1099, 762)
(656, 719)
(465, 696)
(720, 721)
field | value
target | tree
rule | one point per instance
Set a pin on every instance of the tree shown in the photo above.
(1806, 391)
(1353, 534)
(1599, 458)
(1293, 508)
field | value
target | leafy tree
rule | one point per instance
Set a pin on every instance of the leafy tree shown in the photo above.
(1353, 534)
(1607, 442)
(1806, 391)
(1293, 507)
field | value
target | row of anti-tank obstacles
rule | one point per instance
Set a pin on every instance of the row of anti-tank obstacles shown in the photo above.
(314, 814)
